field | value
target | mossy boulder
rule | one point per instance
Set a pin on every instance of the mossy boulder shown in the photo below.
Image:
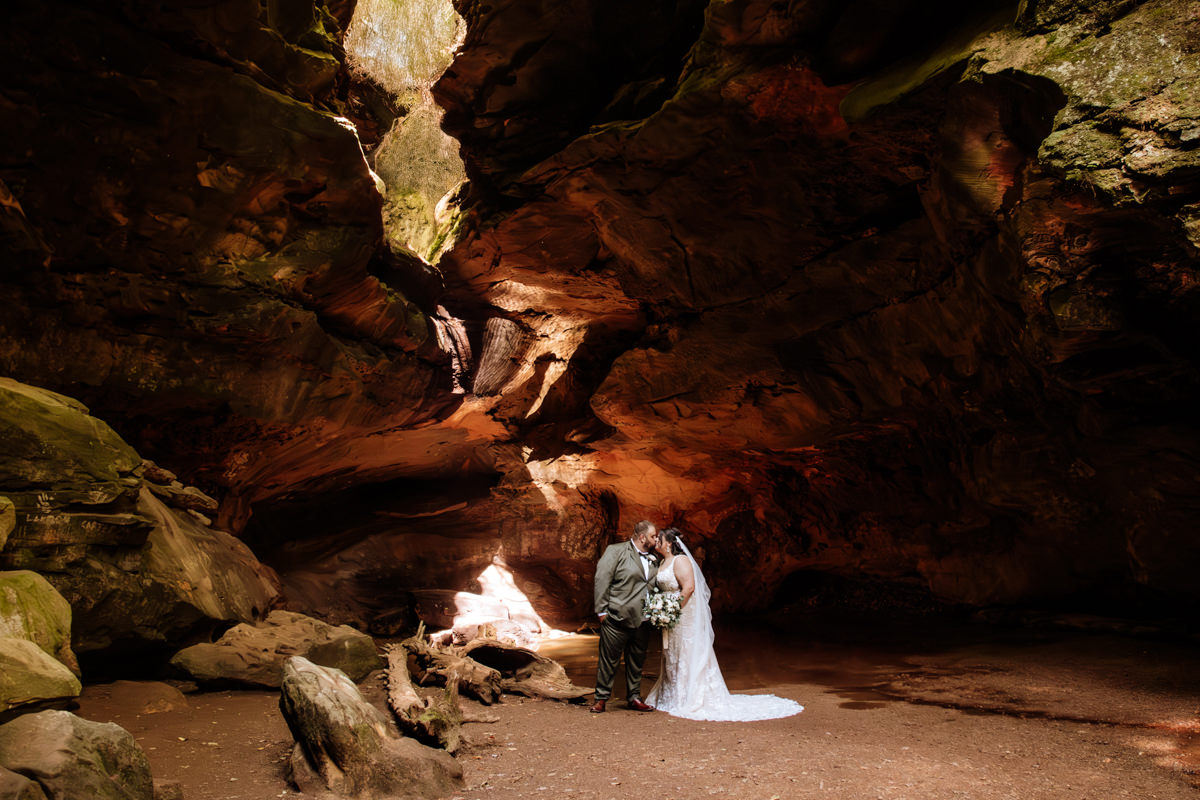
(50, 442)
(72, 480)
(29, 675)
(30, 608)
(1128, 122)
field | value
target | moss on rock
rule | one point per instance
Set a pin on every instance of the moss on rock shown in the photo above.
(30, 608)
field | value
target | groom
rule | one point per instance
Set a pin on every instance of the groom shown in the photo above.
(623, 579)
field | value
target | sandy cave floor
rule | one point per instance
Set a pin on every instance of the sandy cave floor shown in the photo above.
(891, 712)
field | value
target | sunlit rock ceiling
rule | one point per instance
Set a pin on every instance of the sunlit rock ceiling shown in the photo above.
(893, 292)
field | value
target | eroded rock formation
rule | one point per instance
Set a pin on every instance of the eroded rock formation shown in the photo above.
(138, 574)
(891, 290)
(841, 301)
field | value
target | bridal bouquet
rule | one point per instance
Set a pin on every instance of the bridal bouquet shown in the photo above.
(663, 609)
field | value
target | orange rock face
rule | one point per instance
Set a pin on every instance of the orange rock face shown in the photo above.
(893, 292)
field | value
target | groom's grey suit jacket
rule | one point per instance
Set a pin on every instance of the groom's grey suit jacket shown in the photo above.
(621, 584)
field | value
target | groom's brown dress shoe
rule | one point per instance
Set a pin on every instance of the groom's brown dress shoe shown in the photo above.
(638, 705)
(598, 707)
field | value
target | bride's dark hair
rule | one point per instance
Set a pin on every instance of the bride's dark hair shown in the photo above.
(672, 536)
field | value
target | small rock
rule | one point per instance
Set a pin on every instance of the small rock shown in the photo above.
(147, 697)
(185, 497)
(156, 474)
(168, 790)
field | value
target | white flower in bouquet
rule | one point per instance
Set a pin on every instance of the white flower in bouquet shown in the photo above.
(663, 609)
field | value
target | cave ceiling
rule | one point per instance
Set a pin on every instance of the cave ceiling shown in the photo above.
(890, 290)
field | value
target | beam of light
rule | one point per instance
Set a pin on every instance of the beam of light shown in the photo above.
(500, 609)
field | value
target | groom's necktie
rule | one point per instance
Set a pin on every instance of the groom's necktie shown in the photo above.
(645, 564)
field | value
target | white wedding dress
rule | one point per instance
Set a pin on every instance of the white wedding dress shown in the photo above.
(691, 685)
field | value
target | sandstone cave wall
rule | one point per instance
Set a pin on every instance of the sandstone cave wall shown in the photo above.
(886, 290)
(900, 290)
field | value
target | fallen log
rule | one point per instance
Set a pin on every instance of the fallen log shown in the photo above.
(435, 721)
(522, 671)
(432, 665)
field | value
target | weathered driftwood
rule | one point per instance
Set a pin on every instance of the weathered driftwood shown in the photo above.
(431, 665)
(523, 671)
(435, 721)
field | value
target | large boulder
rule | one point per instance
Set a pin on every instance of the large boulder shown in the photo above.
(29, 675)
(345, 747)
(71, 757)
(30, 608)
(132, 568)
(255, 654)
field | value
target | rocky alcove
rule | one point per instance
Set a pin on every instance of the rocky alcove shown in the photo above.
(402, 310)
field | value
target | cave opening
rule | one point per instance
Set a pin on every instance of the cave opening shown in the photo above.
(405, 46)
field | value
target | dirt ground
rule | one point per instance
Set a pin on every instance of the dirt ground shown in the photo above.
(892, 712)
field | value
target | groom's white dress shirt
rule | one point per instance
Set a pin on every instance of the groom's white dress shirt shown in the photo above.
(645, 562)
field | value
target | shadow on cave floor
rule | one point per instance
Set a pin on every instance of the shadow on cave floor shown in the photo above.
(1091, 677)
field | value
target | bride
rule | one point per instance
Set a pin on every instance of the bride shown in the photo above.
(691, 685)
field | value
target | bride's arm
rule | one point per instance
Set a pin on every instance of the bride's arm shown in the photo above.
(687, 581)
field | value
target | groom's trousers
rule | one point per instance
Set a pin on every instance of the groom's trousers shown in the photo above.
(633, 642)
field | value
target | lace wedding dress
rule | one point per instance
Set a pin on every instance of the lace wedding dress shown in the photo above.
(691, 685)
